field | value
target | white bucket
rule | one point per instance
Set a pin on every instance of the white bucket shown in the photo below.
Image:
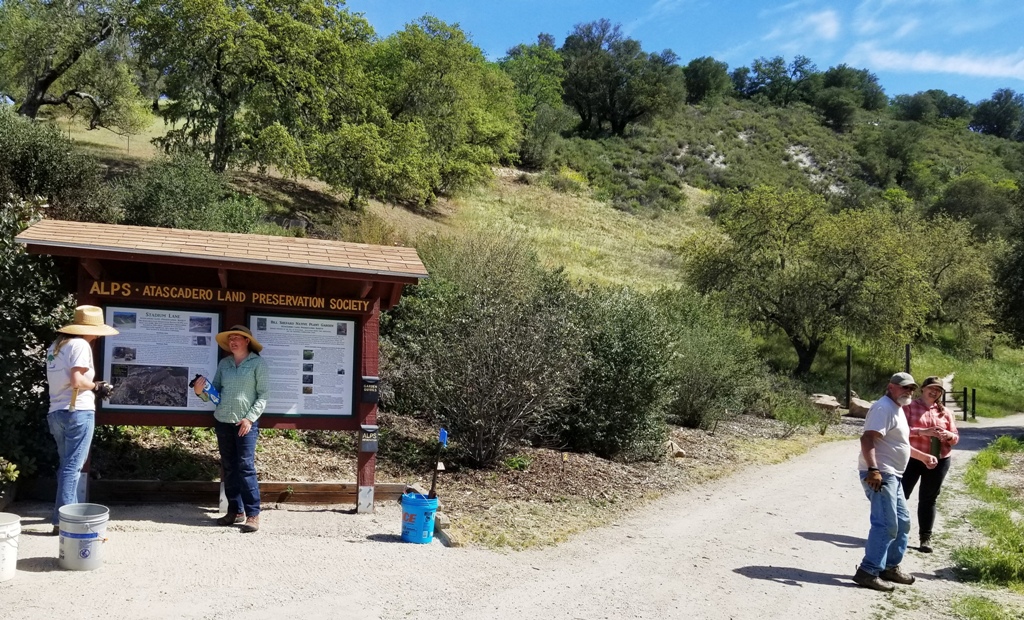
(10, 529)
(83, 529)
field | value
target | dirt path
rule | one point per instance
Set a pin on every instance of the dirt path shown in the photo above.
(773, 542)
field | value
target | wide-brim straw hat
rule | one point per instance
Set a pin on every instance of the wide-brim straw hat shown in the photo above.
(88, 322)
(241, 330)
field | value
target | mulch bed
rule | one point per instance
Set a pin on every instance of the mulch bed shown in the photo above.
(407, 451)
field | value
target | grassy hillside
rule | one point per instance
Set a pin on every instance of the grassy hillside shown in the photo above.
(741, 144)
(580, 229)
(591, 241)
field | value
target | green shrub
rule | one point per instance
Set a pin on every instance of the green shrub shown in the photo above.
(35, 305)
(785, 401)
(483, 346)
(713, 365)
(238, 213)
(567, 181)
(618, 404)
(181, 191)
(37, 161)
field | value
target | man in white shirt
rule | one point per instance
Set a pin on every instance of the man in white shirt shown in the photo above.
(885, 451)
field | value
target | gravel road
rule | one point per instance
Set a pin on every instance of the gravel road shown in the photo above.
(777, 541)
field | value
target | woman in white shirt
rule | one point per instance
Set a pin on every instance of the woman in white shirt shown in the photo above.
(72, 410)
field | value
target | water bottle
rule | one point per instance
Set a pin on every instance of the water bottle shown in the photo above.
(210, 393)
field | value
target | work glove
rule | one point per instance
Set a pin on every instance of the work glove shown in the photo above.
(103, 390)
(874, 480)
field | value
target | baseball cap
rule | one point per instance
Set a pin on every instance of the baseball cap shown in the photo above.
(903, 379)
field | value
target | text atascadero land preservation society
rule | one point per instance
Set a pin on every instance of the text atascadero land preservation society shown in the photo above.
(132, 290)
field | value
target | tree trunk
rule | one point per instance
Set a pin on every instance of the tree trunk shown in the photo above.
(36, 97)
(34, 100)
(221, 145)
(805, 354)
(585, 120)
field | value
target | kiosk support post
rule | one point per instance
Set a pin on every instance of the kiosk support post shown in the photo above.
(366, 461)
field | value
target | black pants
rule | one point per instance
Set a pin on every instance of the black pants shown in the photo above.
(931, 484)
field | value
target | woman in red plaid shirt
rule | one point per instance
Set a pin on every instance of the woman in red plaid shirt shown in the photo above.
(932, 431)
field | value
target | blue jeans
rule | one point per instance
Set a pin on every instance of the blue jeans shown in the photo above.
(238, 458)
(72, 430)
(890, 525)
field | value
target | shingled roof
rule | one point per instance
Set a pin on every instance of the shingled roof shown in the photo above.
(174, 244)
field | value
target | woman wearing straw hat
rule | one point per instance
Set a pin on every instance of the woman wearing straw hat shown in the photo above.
(72, 410)
(243, 382)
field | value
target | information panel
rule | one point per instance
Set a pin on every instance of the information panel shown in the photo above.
(155, 356)
(311, 363)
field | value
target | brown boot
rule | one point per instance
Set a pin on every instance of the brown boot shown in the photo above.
(251, 524)
(231, 518)
(896, 575)
(865, 579)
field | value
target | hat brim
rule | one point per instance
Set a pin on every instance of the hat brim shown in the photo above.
(222, 340)
(88, 330)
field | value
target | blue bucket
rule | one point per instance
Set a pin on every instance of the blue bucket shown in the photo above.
(418, 518)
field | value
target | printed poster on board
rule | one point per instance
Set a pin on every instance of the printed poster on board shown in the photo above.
(155, 355)
(311, 363)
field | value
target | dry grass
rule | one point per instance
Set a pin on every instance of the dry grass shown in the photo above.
(107, 145)
(593, 242)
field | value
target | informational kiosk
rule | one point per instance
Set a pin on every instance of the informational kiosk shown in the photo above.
(314, 305)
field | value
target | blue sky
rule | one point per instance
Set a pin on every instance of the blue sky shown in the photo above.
(966, 47)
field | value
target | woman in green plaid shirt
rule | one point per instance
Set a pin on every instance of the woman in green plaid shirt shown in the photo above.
(243, 382)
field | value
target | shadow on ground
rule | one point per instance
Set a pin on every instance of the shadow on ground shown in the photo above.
(795, 576)
(839, 540)
(388, 538)
(975, 438)
(39, 565)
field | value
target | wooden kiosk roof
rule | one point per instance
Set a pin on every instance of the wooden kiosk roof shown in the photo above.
(230, 250)
(238, 275)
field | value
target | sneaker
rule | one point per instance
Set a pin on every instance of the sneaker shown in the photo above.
(896, 575)
(252, 524)
(925, 546)
(872, 582)
(232, 518)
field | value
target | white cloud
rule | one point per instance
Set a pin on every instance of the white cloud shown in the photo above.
(939, 18)
(785, 8)
(659, 9)
(973, 65)
(823, 25)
